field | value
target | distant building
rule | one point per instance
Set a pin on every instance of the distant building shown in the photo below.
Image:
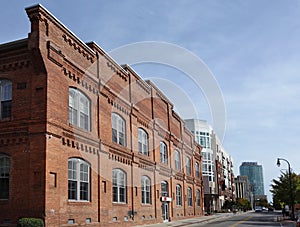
(254, 172)
(242, 187)
(217, 166)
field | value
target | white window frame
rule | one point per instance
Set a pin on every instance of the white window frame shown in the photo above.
(188, 166)
(146, 190)
(177, 160)
(143, 146)
(5, 97)
(119, 189)
(118, 129)
(197, 170)
(79, 109)
(4, 176)
(198, 197)
(164, 188)
(163, 153)
(178, 195)
(190, 196)
(78, 176)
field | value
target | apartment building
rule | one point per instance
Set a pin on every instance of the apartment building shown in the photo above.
(217, 166)
(85, 141)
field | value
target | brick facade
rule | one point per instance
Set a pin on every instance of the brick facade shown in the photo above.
(39, 139)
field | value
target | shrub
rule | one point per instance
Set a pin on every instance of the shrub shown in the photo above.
(31, 222)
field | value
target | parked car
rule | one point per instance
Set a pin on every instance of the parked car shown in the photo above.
(258, 209)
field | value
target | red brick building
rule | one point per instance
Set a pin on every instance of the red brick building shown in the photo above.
(85, 141)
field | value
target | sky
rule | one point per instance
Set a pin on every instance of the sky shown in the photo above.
(250, 47)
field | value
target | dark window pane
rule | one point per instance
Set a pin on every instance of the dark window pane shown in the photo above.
(6, 109)
(115, 194)
(114, 135)
(4, 188)
(72, 189)
(83, 191)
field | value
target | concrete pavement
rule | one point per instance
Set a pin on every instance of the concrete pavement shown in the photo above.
(190, 221)
(206, 219)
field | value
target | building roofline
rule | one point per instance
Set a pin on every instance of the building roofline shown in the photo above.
(56, 21)
(14, 44)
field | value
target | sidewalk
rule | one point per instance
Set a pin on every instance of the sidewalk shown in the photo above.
(206, 219)
(190, 221)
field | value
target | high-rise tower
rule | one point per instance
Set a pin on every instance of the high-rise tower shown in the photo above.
(255, 176)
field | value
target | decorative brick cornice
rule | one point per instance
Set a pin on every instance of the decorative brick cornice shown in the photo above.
(73, 43)
(84, 84)
(117, 71)
(118, 106)
(120, 156)
(14, 65)
(80, 146)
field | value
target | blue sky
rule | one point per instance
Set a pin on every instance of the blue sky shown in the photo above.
(252, 47)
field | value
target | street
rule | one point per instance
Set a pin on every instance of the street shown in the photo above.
(250, 219)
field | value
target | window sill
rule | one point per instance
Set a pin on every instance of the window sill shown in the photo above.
(5, 119)
(119, 204)
(79, 202)
(146, 204)
(79, 128)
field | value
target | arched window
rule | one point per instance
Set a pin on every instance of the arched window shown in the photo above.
(78, 180)
(190, 199)
(5, 98)
(163, 153)
(119, 186)
(164, 189)
(4, 176)
(143, 141)
(146, 190)
(188, 166)
(177, 160)
(79, 109)
(178, 195)
(198, 201)
(197, 170)
(118, 129)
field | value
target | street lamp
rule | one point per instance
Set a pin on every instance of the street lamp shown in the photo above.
(290, 181)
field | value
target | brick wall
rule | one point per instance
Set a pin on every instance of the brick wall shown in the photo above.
(39, 139)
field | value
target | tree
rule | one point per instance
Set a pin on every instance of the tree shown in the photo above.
(281, 190)
(243, 204)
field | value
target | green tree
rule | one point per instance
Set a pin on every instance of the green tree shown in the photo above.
(281, 190)
(243, 204)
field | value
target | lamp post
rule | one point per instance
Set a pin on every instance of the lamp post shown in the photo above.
(290, 181)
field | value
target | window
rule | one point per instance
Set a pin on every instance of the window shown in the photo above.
(143, 141)
(190, 200)
(188, 166)
(203, 139)
(177, 160)
(197, 170)
(118, 129)
(119, 186)
(198, 198)
(163, 153)
(164, 189)
(5, 98)
(78, 180)
(146, 190)
(4, 176)
(178, 195)
(79, 109)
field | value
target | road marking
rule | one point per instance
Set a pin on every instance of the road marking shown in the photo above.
(236, 224)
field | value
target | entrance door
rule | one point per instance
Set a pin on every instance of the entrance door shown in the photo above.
(165, 209)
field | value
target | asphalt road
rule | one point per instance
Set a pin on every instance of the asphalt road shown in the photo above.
(248, 220)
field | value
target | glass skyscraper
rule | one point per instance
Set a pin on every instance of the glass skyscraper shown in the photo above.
(255, 176)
